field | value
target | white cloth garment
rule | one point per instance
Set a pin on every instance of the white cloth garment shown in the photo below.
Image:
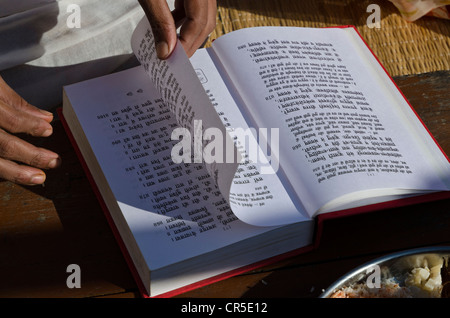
(41, 49)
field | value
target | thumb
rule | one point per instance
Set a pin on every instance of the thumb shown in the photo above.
(162, 24)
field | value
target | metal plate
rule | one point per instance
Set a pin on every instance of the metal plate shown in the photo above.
(396, 265)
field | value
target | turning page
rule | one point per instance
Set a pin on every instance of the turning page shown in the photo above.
(183, 95)
(258, 196)
(348, 134)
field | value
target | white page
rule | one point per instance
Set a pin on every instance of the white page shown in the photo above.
(175, 205)
(257, 195)
(261, 60)
(180, 89)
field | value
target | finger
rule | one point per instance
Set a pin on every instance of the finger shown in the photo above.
(11, 98)
(16, 149)
(196, 12)
(163, 26)
(178, 13)
(20, 174)
(200, 21)
(15, 120)
(34, 111)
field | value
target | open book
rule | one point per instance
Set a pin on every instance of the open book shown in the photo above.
(210, 165)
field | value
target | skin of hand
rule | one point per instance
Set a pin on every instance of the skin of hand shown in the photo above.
(20, 161)
(197, 19)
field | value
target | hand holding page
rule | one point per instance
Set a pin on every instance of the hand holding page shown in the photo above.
(184, 95)
(314, 126)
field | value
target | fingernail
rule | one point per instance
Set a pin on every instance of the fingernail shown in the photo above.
(44, 112)
(47, 132)
(162, 49)
(54, 163)
(38, 179)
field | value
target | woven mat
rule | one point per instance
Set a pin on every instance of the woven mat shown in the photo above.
(403, 47)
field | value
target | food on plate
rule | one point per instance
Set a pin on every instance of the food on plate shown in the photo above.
(389, 288)
(417, 276)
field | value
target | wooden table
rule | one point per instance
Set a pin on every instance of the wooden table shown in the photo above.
(44, 229)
